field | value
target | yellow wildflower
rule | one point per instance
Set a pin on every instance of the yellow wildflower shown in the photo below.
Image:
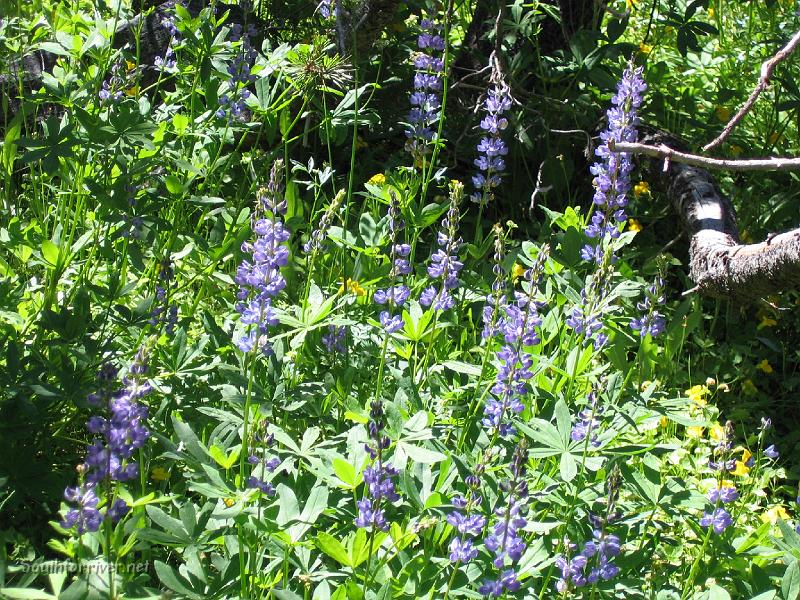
(634, 225)
(717, 433)
(723, 113)
(517, 271)
(697, 394)
(694, 431)
(353, 287)
(377, 179)
(767, 321)
(645, 48)
(741, 465)
(749, 388)
(631, 4)
(663, 421)
(765, 366)
(229, 502)
(711, 12)
(773, 514)
(159, 474)
(641, 189)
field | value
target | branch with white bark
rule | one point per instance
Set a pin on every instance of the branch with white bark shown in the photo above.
(719, 264)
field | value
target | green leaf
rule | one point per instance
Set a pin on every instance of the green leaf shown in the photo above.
(26, 594)
(174, 185)
(717, 593)
(333, 548)
(50, 252)
(170, 578)
(180, 122)
(790, 584)
(568, 467)
(345, 472)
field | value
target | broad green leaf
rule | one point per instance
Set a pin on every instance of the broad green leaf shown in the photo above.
(333, 548)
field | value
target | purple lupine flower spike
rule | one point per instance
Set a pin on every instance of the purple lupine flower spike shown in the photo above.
(261, 280)
(444, 262)
(316, 242)
(378, 477)
(118, 434)
(396, 295)
(491, 148)
(651, 321)
(518, 327)
(425, 102)
(234, 102)
(505, 539)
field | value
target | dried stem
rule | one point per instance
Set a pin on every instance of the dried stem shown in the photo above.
(767, 69)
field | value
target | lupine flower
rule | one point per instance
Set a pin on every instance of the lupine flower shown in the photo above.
(719, 519)
(316, 241)
(425, 102)
(118, 435)
(496, 299)
(121, 82)
(651, 321)
(612, 174)
(724, 494)
(85, 516)
(491, 148)
(168, 61)
(396, 294)
(239, 71)
(164, 312)
(505, 540)
(378, 477)
(444, 262)
(335, 339)
(585, 318)
(261, 280)
(771, 452)
(572, 571)
(465, 521)
(588, 424)
(518, 328)
(261, 460)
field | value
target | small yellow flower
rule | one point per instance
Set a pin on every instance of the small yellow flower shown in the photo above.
(711, 12)
(767, 321)
(765, 366)
(641, 189)
(631, 4)
(645, 48)
(741, 468)
(773, 514)
(517, 271)
(132, 91)
(229, 502)
(697, 394)
(353, 287)
(749, 388)
(694, 431)
(634, 225)
(159, 474)
(377, 179)
(663, 421)
(723, 113)
(717, 433)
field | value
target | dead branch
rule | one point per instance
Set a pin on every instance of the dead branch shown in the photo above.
(767, 69)
(672, 155)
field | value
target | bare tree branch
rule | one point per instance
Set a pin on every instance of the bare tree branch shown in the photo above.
(672, 155)
(767, 69)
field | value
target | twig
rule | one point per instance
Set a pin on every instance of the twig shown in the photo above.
(668, 154)
(540, 189)
(767, 69)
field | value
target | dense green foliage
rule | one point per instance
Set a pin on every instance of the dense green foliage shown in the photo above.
(132, 193)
